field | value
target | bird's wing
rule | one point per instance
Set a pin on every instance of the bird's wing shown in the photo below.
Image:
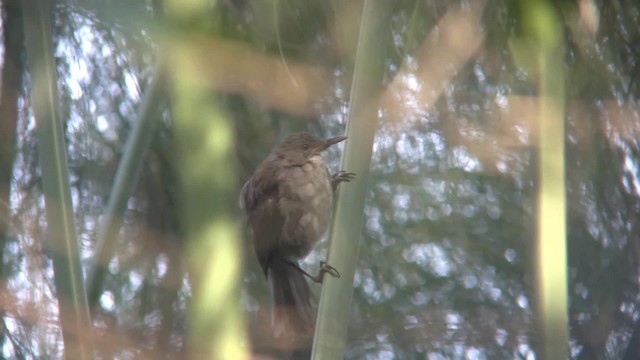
(267, 223)
(263, 182)
(259, 198)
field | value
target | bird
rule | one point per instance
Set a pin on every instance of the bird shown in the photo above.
(288, 203)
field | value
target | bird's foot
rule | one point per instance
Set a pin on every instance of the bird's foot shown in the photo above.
(324, 269)
(341, 176)
(328, 269)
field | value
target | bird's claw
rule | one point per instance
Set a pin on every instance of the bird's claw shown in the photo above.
(324, 269)
(341, 176)
(328, 269)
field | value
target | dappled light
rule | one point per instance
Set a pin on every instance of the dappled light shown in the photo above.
(458, 98)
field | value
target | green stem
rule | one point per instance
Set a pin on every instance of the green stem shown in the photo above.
(348, 219)
(61, 235)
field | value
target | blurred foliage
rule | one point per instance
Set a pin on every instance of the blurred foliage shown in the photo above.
(445, 266)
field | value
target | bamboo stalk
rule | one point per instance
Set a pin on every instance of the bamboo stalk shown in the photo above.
(208, 194)
(544, 31)
(335, 299)
(61, 235)
(124, 183)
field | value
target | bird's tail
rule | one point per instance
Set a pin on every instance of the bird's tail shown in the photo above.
(292, 302)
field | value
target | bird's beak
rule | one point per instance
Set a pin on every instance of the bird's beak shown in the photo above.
(332, 141)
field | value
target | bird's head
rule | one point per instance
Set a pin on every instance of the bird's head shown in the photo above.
(301, 147)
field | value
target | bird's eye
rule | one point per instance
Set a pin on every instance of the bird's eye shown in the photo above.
(305, 146)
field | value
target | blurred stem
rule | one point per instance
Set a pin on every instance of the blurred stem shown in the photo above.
(543, 25)
(348, 219)
(124, 183)
(205, 143)
(10, 90)
(62, 241)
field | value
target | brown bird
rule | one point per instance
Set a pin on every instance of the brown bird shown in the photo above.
(288, 202)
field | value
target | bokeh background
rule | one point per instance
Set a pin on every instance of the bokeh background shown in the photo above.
(446, 258)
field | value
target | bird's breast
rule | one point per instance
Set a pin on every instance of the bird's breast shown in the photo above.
(305, 200)
(310, 184)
